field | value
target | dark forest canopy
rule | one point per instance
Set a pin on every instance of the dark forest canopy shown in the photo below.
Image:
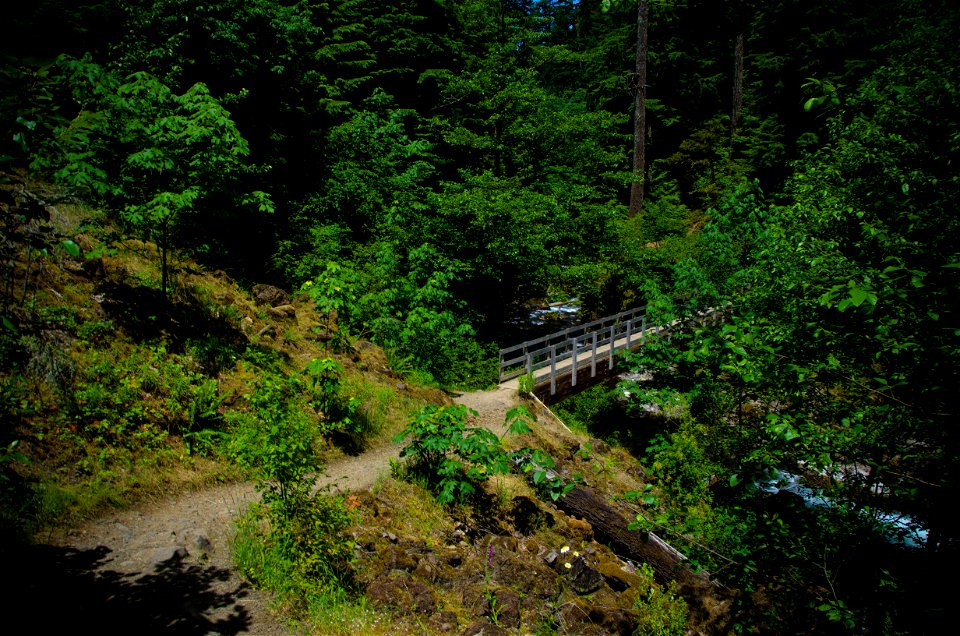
(433, 166)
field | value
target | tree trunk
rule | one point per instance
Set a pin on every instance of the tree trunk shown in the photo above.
(640, 113)
(735, 114)
(163, 262)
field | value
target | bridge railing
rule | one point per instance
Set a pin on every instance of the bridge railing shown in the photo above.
(585, 345)
(529, 356)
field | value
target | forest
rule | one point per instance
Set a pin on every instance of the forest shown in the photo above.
(428, 172)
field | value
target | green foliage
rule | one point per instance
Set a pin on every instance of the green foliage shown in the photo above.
(451, 457)
(332, 292)
(155, 154)
(526, 383)
(204, 418)
(276, 440)
(134, 398)
(832, 356)
(337, 413)
(304, 559)
(541, 465)
(661, 612)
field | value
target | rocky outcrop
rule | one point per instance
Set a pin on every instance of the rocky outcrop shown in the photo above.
(270, 296)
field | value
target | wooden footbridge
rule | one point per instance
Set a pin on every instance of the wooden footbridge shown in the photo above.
(571, 360)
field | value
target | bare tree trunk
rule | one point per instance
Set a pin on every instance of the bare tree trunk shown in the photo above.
(735, 115)
(163, 262)
(640, 113)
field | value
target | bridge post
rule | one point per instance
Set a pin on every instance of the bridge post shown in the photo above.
(530, 364)
(613, 339)
(553, 369)
(573, 375)
(593, 356)
(629, 332)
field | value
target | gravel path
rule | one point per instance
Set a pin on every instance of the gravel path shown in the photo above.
(491, 406)
(165, 566)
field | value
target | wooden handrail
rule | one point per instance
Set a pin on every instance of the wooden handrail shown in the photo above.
(603, 337)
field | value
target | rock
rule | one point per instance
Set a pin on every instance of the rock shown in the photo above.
(616, 577)
(505, 608)
(403, 593)
(202, 544)
(599, 446)
(167, 555)
(283, 312)
(551, 558)
(586, 618)
(125, 532)
(392, 557)
(583, 578)
(443, 622)
(485, 628)
(322, 336)
(94, 269)
(527, 516)
(270, 295)
(246, 325)
(268, 331)
(580, 528)
(426, 570)
(504, 544)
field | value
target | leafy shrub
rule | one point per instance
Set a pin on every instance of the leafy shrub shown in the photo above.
(449, 456)
(453, 459)
(201, 435)
(276, 440)
(338, 414)
(212, 353)
(96, 331)
(660, 612)
(306, 556)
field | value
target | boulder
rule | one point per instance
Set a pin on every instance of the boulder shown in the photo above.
(403, 593)
(485, 628)
(583, 578)
(270, 295)
(505, 608)
(283, 312)
(443, 622)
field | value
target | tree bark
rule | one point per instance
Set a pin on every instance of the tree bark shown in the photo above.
(613, 528)
(640, 112)
(737, 107)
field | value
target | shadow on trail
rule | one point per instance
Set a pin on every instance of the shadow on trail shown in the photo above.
(61, 590)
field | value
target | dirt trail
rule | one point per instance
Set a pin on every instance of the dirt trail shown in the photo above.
(162, 567)
(491, 406)
(165, 566)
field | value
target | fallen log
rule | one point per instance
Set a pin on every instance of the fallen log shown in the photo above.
(708, 600)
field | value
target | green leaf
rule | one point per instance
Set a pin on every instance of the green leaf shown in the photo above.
(72, 248)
